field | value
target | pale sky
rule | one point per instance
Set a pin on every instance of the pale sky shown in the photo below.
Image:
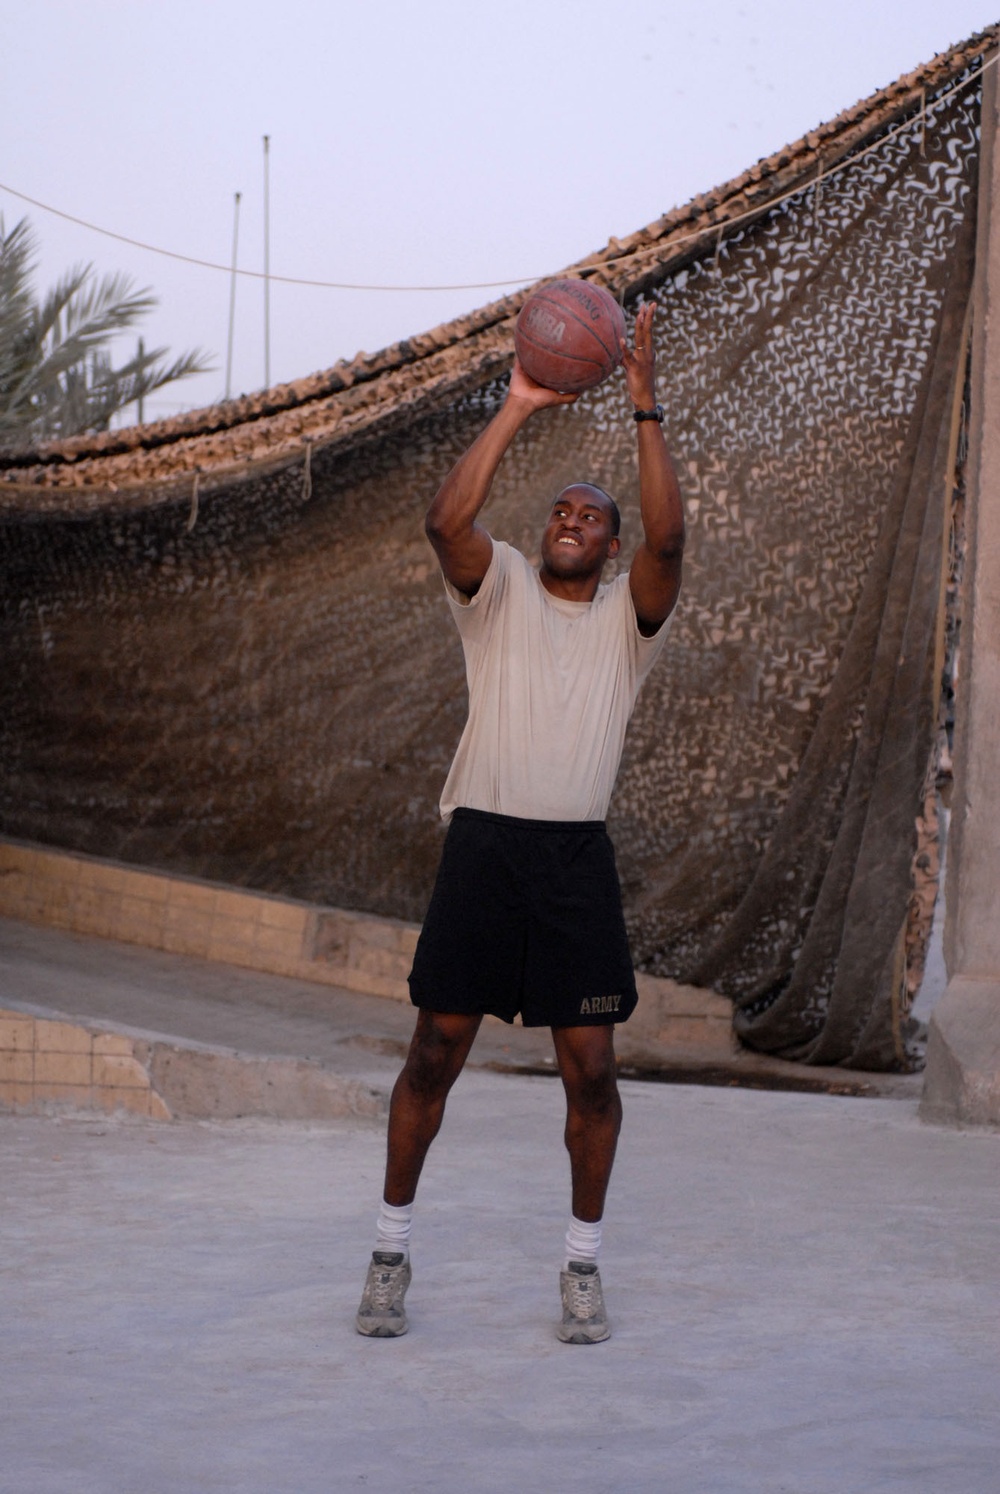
(412, 142)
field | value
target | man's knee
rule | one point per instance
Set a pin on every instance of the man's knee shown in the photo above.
(438, 1051)
(595, 1094)
(589, 1072)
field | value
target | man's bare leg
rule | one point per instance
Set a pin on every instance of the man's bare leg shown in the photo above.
(586, 1058)
(438, 1050)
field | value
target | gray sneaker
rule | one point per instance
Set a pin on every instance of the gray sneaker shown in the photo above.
(584, 1320)
(381, 1314)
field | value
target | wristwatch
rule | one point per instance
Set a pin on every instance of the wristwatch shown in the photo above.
(654, 414)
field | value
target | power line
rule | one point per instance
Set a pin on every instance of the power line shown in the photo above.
(208, 264)
(267, 275)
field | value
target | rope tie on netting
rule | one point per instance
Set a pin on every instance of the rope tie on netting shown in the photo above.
(307, 480)
(192, 517)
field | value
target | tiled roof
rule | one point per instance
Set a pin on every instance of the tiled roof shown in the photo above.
(377, 392)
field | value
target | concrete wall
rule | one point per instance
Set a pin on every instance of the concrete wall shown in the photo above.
(962, 1084)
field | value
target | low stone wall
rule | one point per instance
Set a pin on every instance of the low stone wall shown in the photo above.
(45, 1063)
(676, 1021)
(50, 1065)
(185, 916)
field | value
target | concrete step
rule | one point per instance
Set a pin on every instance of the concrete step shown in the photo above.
(53, 1063)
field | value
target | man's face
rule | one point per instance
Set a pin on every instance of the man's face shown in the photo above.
(578, 537)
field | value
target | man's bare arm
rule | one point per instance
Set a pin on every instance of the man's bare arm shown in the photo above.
(463, 547)
(655, 575)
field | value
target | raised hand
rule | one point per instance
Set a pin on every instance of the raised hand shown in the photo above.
(639, 362)
(463, 546)
(523, 387)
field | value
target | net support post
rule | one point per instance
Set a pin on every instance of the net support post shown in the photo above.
(962, 1081)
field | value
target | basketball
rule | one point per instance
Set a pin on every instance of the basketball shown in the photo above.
(568, 335)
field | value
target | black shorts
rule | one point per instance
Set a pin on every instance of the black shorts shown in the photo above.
(526, 916)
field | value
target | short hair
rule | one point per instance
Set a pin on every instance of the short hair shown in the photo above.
(616, 518)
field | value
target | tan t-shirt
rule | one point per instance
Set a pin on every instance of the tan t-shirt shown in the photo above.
(552, 685)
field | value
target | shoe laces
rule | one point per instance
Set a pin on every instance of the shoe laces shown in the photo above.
(385, 1284)
(582, 1296)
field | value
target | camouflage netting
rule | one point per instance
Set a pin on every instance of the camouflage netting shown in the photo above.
(252, 676)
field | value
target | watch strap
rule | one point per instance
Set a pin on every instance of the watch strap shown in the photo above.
(655, 414)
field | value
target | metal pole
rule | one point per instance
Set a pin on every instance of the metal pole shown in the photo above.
(139, 400)
(232, 294)
(267, 264)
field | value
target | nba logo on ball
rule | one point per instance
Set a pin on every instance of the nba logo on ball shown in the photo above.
(541, 324)
(568, 335)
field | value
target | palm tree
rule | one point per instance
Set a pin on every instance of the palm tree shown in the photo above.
(56, 374)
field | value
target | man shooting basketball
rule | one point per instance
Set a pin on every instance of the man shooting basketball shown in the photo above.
(526, 913)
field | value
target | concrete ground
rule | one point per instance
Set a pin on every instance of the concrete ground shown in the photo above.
(803, 1287)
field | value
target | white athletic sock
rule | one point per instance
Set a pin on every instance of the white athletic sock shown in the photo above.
(394, 1225)
(583, 1240)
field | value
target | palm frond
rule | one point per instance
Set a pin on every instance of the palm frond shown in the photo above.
(57, 378)
(17, 260)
